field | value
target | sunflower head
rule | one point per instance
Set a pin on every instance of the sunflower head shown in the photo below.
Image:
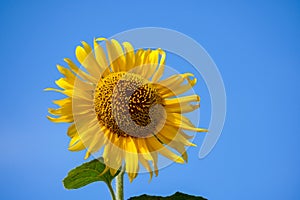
(118, 105)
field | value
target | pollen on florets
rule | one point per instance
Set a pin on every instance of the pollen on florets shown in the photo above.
(128, 104)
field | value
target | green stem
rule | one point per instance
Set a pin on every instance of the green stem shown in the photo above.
(111, 190)
(120, 185)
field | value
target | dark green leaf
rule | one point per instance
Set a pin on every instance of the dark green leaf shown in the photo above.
(176, 196)
(88, 173)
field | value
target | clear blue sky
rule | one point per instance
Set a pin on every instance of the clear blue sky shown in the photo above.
(256, 45)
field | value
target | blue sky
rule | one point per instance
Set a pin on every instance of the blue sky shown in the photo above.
(256, 46)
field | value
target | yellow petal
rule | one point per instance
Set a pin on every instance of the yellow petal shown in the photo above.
(142, 148)
(87, 155)
(158, 74)
(74, 140)
(163, 150)
(72, 131)
(178, 146)
(139, 60)
(67, 73)
(63, 111)
(173, 86)
(181, 104)
(64, 84)
(120, 58)
(101, 58)
(147, 166)
(145, 65)
(115, 56)
(182, 109)
(151, 63)
(129, 55)
(61, 102)
(181, 100)
(87, 59)
(131, 158)
(154, 156)
(98, 141)
(179, 121)
(77, 146)
(173, 134)
(79, 72)
(62, 119)
(112, 154)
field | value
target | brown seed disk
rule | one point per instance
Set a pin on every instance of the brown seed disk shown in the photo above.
(128, 104)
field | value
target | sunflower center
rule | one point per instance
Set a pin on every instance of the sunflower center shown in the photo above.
(128, 104)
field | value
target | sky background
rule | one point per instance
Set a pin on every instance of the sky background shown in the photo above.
(256, 46)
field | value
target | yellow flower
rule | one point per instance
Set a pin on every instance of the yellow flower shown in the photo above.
(117, 104)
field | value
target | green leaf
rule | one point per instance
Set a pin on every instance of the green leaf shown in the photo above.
(88, 173)
(176, 196)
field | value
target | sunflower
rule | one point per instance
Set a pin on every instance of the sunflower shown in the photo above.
(118, 105)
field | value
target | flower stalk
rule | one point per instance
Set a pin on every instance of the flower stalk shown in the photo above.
(120, 185)
(111, 190)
